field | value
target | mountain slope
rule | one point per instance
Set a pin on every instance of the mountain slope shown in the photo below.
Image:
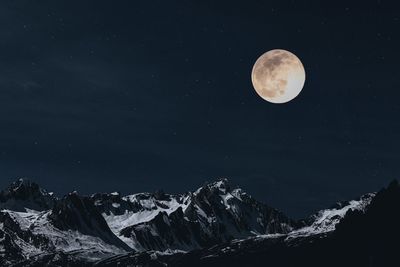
(35, 224)
(325, 221)
(79, 214)
(212, 214)
(71, 226)
(212, 226)
(368, 234)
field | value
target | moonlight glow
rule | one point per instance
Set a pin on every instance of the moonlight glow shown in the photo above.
(278, 76)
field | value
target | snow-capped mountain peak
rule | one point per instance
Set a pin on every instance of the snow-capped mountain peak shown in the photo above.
(33, 223)
(211, 214)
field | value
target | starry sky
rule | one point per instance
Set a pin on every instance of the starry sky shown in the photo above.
(135, 96)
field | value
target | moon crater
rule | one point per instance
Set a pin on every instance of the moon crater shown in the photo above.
(278, 76)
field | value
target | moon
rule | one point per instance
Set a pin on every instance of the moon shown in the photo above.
(278, 76)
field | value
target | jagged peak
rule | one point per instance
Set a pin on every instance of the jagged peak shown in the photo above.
(24, 188)
(221, 185)
(74, 198)
(23, 193)
(21, 182)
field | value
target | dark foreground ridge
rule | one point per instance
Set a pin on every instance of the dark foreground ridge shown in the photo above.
(215, 225)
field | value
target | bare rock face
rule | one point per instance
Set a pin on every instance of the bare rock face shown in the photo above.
(74, 212)
(214, 225)
(23, 194)
(360, 232)
(210, 215)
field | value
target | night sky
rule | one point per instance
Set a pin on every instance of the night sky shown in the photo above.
(135, 96)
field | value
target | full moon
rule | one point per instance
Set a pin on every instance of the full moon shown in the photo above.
(278, 76)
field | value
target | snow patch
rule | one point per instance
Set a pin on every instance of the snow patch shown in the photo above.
(326, 220)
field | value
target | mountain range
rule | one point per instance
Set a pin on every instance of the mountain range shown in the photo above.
(215, 225)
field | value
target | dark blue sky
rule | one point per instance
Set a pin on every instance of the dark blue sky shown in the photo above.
(136, 96)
